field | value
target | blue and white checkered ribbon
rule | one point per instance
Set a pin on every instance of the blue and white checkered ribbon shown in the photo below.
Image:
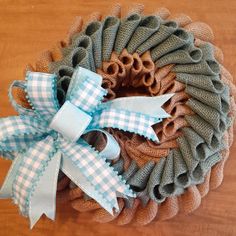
(47, 138)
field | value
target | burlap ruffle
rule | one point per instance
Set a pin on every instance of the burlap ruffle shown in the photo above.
(153, 55)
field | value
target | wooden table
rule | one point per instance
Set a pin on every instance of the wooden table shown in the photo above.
(27, 27)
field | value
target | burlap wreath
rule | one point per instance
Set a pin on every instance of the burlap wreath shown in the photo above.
(153, 55)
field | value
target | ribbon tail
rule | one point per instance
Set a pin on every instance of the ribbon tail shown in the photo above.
(73, 172)
(43, 200)
(150, 106)
(6, 190)
(98, 179)
(126, 120)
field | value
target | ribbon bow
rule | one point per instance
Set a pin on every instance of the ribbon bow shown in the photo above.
(43, 140)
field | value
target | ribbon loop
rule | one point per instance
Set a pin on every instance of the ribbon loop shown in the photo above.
(20, 109)
(41, 90)
(85, 90)
(111, 151)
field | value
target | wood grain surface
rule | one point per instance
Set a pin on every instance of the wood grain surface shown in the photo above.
(28, 27)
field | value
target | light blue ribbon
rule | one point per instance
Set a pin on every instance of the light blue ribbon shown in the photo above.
(83, 112)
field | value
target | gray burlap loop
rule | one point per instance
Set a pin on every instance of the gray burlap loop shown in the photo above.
(209, 114)
(80, 57)
(197, 175)
(133, 168)
(77, 57)
(207, 164)
(200, 150)
(177, 40)
(94, 31)
(110, 27)
(196, 142)
(209, 83)
(54, 66)
(208, 50)
(63, 83)
(155, 181)
(205, 130)
(187, 54)
(207, 66)
(63, 70)
(119, 166)
(181, 174)
(165, 30)
(167, 186)
(180, 56)
(187, 155)
(148, 26)
(225, 100)
(139, 180)
(125, 31)
(209, 56)
(83, 41)
(203, 67)
(61, 95)
(211, 99)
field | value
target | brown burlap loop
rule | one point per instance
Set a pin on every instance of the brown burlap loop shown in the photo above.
(101, 215)
(127, 214)
(133, 8)
(162, 12)
(127, 60)
(46, 57)
(205, 186)
(182, 19)
(168, 209)
(201, 31)
(189, 201)
(95, 16)
(145, 215)
(115, 10)
(43, 62)
(75, 28)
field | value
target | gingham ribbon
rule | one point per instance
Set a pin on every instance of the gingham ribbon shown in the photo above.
(48, 138)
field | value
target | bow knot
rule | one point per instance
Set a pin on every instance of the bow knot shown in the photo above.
(67, 115)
